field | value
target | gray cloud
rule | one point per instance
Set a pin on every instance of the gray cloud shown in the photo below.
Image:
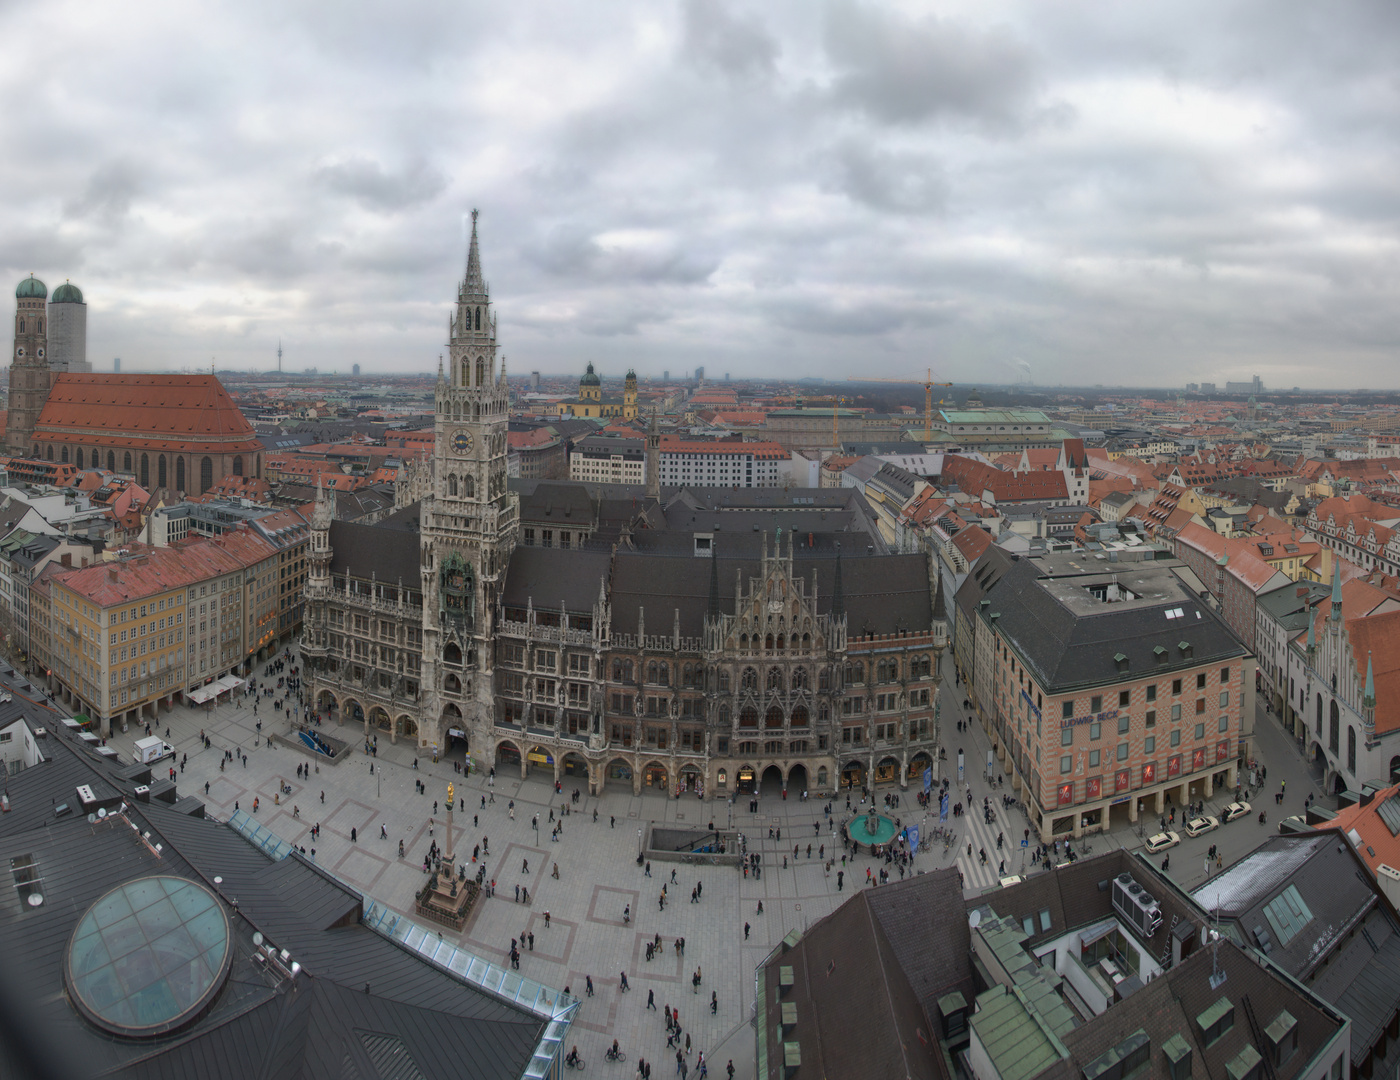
(902, 183)
(904, 71)
(715, 38)
(1107, 193)
(366, 181)
(107, 195)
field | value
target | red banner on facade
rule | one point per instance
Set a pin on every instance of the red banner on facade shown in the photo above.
(1222, 751)
(1174, 765)
(1198, 758)
(1122, 779)
(1149, 773)
(1067, 794)
(1093, 789)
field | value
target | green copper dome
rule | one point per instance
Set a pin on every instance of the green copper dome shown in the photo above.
(590, 378)
(67, 293)
(31, 288)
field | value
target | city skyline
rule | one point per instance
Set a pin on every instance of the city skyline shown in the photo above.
(1007, 192)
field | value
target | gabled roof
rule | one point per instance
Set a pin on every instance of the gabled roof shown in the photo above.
(174, 413)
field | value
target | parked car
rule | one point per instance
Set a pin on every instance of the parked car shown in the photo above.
(1161, 841)
(1236, 810)
(1201, 825)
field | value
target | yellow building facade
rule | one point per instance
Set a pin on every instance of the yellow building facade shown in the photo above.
(591, 404)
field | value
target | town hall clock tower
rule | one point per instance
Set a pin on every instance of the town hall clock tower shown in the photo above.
(468, 523)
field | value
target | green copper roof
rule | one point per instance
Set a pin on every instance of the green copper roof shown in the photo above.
(67, 293)
(31, 288)
(590, 378)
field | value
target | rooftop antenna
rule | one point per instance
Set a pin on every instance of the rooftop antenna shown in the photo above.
(1217, 976)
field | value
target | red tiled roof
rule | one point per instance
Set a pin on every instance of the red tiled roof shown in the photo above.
(972, 541)
(177, 413)
(149, 571)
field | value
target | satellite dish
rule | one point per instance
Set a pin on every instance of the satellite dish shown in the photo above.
(974, 920)
(35, 899)
(218, 881)
(92, 819)
(257, 937)
(101, 812)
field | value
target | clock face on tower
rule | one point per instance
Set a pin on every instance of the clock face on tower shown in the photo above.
(462, 442)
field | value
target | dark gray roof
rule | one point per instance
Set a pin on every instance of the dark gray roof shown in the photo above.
(557, 503)
(922, 918)
(883, 595)
(985, 573)
(550, 578)
(1069, 639)
(365, 551)
(323, 1024)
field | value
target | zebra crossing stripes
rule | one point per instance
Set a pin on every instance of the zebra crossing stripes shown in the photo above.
(973, 829)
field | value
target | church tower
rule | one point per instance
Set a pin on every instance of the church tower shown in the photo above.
(629, 396)
(469, 523)
(29, 366)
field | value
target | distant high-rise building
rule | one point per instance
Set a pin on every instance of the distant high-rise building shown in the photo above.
(1192, 387)
(68, 330)
(117, 364)
(699, 374)
(534, 380)
(355, 370)
(666, 376)
(726, 376)
(1207, 387)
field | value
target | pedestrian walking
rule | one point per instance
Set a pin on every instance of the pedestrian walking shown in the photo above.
(651, 1000)
(746, 931)
(714, 1002)
(624, 985)
(588, 979)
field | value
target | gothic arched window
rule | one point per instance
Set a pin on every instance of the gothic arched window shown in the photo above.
(111, 461)
(478, 318)
(126, 462)
(471, 486)
(160, 470)
(64, 455)
(206, 474)
(238, 465)
(452, 484)
(179, 472)
(480, 371)
(145, 470)
(79, 458)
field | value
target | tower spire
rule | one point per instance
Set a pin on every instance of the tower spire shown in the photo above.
(714, 584)
(838, 593)
(474, 282)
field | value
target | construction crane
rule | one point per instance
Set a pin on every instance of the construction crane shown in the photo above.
(929, 384)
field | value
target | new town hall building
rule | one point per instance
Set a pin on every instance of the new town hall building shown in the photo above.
(708, 652)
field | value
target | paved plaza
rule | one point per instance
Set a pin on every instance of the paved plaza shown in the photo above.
(598, 872)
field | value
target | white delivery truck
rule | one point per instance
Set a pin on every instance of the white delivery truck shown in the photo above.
(151, 749)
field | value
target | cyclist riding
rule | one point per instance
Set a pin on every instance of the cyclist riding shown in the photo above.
(615, 1054)
(572, 1059)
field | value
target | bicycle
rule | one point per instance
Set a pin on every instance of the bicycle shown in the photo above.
(618, 1057)
(577, 1063)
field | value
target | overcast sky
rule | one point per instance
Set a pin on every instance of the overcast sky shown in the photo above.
(1139, 193)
